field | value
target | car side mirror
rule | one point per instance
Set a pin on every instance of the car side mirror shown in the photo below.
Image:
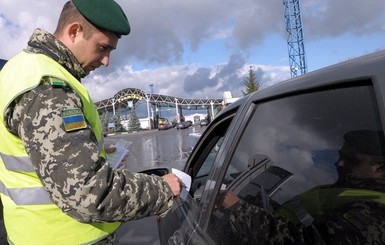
(156, 171)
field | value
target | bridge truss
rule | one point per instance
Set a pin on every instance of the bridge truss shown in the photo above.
(131, 97)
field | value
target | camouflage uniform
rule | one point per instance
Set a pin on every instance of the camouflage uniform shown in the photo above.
(360, 222)
(80, 182)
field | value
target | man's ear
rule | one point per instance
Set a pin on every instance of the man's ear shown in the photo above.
(74, 30)
(340, 163)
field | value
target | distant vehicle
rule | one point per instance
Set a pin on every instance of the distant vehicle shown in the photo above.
(164, 126)
(162, 120)
(204, 122)
(274, 144)
(189, 123)
(182, 125)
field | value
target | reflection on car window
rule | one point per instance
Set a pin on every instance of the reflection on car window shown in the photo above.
(204, 170)
(200, 162)
(290, 148)
(187, 213)
(201, 177)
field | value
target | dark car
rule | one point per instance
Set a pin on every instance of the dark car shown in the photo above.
(189, 123)
(182, 125)
(272, 145)
(164, 126)
(204, 122)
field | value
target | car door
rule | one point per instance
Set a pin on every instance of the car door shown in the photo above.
(279, 143)
(289, 145)
(182, 224)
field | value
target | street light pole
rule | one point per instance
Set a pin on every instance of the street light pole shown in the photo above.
(212, 110)
(152, 109)
(151, 88)
(148, 111)
(113, 106)
(176, 110)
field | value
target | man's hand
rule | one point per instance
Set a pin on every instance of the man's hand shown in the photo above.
(174, 182)
(228, 199)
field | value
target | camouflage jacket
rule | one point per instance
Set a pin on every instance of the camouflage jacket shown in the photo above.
(80, 182)
(360, 222)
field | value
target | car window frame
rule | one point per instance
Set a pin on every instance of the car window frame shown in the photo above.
(197, 158)
(243, 117)
(223, 158)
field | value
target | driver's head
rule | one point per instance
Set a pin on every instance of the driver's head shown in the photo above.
(363, 154)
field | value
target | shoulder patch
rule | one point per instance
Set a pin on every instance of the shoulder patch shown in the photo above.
(73, 119)
(358, 220)
(56, 82)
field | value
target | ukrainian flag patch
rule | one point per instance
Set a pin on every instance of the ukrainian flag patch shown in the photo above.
(73, 119)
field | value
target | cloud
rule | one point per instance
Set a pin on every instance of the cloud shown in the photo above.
(165, 80)
(332, 18)
(185, 81)
(167, 35)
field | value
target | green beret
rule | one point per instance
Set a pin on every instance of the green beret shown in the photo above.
(105, 14)
(364, 141)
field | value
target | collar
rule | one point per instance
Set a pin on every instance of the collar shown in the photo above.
(43, 42)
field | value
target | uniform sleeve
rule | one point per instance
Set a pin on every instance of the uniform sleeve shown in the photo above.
(355, 223)
(78, 181)
(252, 223)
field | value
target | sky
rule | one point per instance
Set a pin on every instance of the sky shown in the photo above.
(201, 48)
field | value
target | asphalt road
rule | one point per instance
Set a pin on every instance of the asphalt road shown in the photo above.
(153, 149)
(147, 149)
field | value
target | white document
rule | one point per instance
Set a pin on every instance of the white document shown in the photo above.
(116, 158)
(186, 182)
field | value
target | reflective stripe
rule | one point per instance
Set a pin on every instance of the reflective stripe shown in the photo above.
(26, 196)
(304, 217)
(21, 164)
(101, 145)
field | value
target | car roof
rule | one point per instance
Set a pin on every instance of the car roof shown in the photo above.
(361, 67)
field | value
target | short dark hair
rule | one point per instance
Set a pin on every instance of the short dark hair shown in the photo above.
(370, 142)
(70, 14)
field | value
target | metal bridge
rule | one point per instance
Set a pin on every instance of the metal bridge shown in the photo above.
(131, 97)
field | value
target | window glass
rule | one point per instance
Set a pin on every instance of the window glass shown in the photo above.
(204, 159)
(177, 226)
(290, 146)
(200, 179)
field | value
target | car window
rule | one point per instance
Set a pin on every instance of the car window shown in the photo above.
(200, 179)
(186, 214)
(203, 160)
(290, 145)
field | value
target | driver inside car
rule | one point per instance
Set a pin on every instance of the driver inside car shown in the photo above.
(350, 211)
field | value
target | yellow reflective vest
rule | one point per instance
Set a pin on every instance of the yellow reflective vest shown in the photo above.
(29, 214)
(304, 208)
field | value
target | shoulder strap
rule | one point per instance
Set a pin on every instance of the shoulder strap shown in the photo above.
(55, 82)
